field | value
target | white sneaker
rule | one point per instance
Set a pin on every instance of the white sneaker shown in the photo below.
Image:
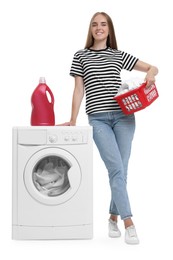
(113, 229)
(131, 236)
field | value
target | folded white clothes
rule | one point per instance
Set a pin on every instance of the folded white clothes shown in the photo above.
(129, 84)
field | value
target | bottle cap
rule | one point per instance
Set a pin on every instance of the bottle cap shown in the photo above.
(42, 80)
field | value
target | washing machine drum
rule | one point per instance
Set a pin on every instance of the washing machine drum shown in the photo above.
(52, 176)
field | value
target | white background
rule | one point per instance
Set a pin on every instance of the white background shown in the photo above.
(39, 38)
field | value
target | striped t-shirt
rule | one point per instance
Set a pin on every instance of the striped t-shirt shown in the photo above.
(100, 70)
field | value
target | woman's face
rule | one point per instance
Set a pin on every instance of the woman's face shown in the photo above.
(99, 28)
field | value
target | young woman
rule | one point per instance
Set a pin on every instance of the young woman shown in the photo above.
(96, 70)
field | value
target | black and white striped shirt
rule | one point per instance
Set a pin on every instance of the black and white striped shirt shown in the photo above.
(100, 70)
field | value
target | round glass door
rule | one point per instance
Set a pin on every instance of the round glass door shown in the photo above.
(52, 176)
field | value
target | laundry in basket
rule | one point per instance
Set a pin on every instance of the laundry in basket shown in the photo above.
(137, 98)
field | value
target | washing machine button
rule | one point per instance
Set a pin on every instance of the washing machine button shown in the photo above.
(53, 139)
(66, 138)
(74, 138)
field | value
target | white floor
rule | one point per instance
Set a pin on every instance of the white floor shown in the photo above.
(153, 244)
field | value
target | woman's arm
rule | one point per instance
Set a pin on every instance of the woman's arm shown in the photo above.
(77, 99)
(151, 71)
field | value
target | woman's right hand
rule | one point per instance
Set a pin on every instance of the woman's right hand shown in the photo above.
(72, 123)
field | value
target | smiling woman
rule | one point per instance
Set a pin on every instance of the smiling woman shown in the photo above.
(101, 24)
(97, 72)
(99, 30)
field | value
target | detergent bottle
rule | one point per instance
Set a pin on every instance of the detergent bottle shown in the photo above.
(42, 101)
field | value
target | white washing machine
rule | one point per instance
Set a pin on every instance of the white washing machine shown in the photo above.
(52, 182)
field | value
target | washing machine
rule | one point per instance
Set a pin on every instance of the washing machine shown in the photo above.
(52, 194)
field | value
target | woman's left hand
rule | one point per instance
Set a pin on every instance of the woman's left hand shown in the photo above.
(150, 79)
(151, 71)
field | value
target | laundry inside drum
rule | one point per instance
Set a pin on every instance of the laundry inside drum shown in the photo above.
(50, 176)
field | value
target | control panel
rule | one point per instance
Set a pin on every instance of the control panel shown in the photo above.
(70, 136)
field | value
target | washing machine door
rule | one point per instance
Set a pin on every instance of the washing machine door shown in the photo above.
(52, 176)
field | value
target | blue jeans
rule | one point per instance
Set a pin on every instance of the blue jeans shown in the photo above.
(113, 134)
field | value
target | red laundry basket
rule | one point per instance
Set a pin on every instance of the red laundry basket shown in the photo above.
(137, 99)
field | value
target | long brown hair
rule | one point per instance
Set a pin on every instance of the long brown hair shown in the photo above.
(111, 40)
